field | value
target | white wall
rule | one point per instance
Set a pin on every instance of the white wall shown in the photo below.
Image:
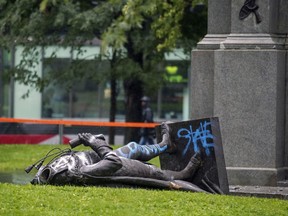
(29, 107)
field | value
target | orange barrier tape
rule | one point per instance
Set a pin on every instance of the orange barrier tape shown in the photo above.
(83, 123)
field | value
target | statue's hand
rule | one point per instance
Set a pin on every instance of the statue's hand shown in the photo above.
(87, 138)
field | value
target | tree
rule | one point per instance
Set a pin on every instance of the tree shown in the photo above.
(153, 20)
(139, 31)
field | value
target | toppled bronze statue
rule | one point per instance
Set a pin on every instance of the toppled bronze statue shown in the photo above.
(125, 166)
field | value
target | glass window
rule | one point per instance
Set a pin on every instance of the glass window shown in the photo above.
(168, 102)
(87, 98)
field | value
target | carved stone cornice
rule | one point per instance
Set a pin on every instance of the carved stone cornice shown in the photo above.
(255, 41)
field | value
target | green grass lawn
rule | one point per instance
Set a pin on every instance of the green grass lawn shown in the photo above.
(71, 200)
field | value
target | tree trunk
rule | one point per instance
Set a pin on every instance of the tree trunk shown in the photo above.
(113, 103)
(113, 108)
(134, 91)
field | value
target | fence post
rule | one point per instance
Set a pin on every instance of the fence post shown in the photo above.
(60, 133)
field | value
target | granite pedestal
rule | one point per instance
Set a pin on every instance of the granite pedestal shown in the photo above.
(239, 75)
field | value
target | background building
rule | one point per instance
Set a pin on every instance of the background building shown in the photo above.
(88, 99)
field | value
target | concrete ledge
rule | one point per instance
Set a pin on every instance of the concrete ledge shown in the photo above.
(254, 41)
(255, 176)
(259, 191)
(211, 41)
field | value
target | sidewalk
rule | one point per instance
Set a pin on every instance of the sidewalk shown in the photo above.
(260, 191)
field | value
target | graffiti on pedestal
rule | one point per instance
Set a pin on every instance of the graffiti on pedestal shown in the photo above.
(195, 137)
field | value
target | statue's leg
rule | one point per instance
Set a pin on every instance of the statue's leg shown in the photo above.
(188, 171)
(140, 152)
(146, 152)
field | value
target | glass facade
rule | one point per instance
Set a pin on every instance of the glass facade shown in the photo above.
(90, 98)
(87, 98)
(174, 92)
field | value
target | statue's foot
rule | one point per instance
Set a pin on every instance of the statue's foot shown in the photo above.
(197, 158)
(195, 162)
(165, 132)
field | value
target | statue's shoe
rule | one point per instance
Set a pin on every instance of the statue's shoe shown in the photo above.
(165, 130)
(194, 163)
